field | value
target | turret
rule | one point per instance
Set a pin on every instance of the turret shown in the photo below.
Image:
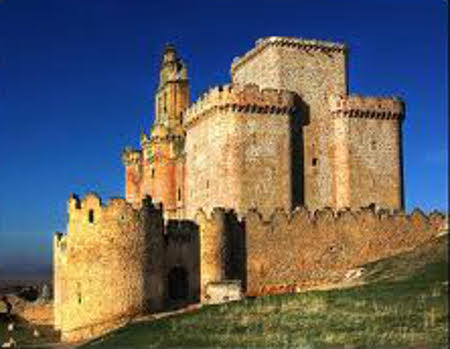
(172, 96)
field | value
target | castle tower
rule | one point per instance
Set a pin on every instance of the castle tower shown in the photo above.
(350, 148)
(314, 70)
(158, 169)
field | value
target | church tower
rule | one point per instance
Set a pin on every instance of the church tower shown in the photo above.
(158, 169)
(172, 96)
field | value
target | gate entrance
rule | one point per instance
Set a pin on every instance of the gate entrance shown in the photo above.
(178, 284)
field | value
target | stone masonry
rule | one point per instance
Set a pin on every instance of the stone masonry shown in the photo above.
(264, 182)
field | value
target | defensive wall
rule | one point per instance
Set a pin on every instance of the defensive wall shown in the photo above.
(116, 262)
(290, 251)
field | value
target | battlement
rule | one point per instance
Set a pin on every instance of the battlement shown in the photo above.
(131, 156)
(436, 219)
(299, 43)
(91, 213)
(93, 201)
(326, 241)
(247, 98)
(372, 107)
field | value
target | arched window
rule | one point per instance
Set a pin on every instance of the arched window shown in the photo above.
(315, 161)
(91, 216)
(153, 173)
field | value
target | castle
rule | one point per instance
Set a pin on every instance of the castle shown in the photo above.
(284, 133)
(258, 182)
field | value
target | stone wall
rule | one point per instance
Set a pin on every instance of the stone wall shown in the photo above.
(314, 70)
(222, 248)
(182, 250)
(238, 150)
(305, 246)
(223, 291)
(108, 267)
(288, 96)
(368, 151)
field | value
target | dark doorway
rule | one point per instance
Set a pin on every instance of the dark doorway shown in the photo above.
(178, 284)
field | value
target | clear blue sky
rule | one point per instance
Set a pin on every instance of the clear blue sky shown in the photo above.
(77, 79)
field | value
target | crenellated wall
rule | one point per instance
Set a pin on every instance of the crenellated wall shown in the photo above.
(367, 106)
(223, 170)
(294, 249)
(108, 267)
(116, 261)
(239, 97)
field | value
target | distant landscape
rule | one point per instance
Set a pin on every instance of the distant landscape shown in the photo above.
(13, 277)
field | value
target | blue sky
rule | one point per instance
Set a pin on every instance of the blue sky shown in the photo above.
(77, 79)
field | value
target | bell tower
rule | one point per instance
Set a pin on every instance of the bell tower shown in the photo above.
(172, 95)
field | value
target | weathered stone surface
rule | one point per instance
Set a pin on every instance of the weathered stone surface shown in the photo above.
(224, 291)
(263, 180)
(285, 252)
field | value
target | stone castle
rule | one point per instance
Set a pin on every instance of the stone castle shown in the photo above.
(258, 182)
(284, 133)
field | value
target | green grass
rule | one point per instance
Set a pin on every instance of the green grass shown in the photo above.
(23, 332)
(405, 304)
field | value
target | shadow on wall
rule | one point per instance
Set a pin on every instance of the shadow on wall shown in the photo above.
(299, 119)
(236, 257)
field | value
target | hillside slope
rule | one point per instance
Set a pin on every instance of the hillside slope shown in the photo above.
(404, 303)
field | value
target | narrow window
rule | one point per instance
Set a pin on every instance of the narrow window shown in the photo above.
(79, 293)
(153, 173)
(207, 184)
(91, 216)
(179, 194)
(165, 102)
(315, 161)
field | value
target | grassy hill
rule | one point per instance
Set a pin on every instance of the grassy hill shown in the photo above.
(402, 303)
